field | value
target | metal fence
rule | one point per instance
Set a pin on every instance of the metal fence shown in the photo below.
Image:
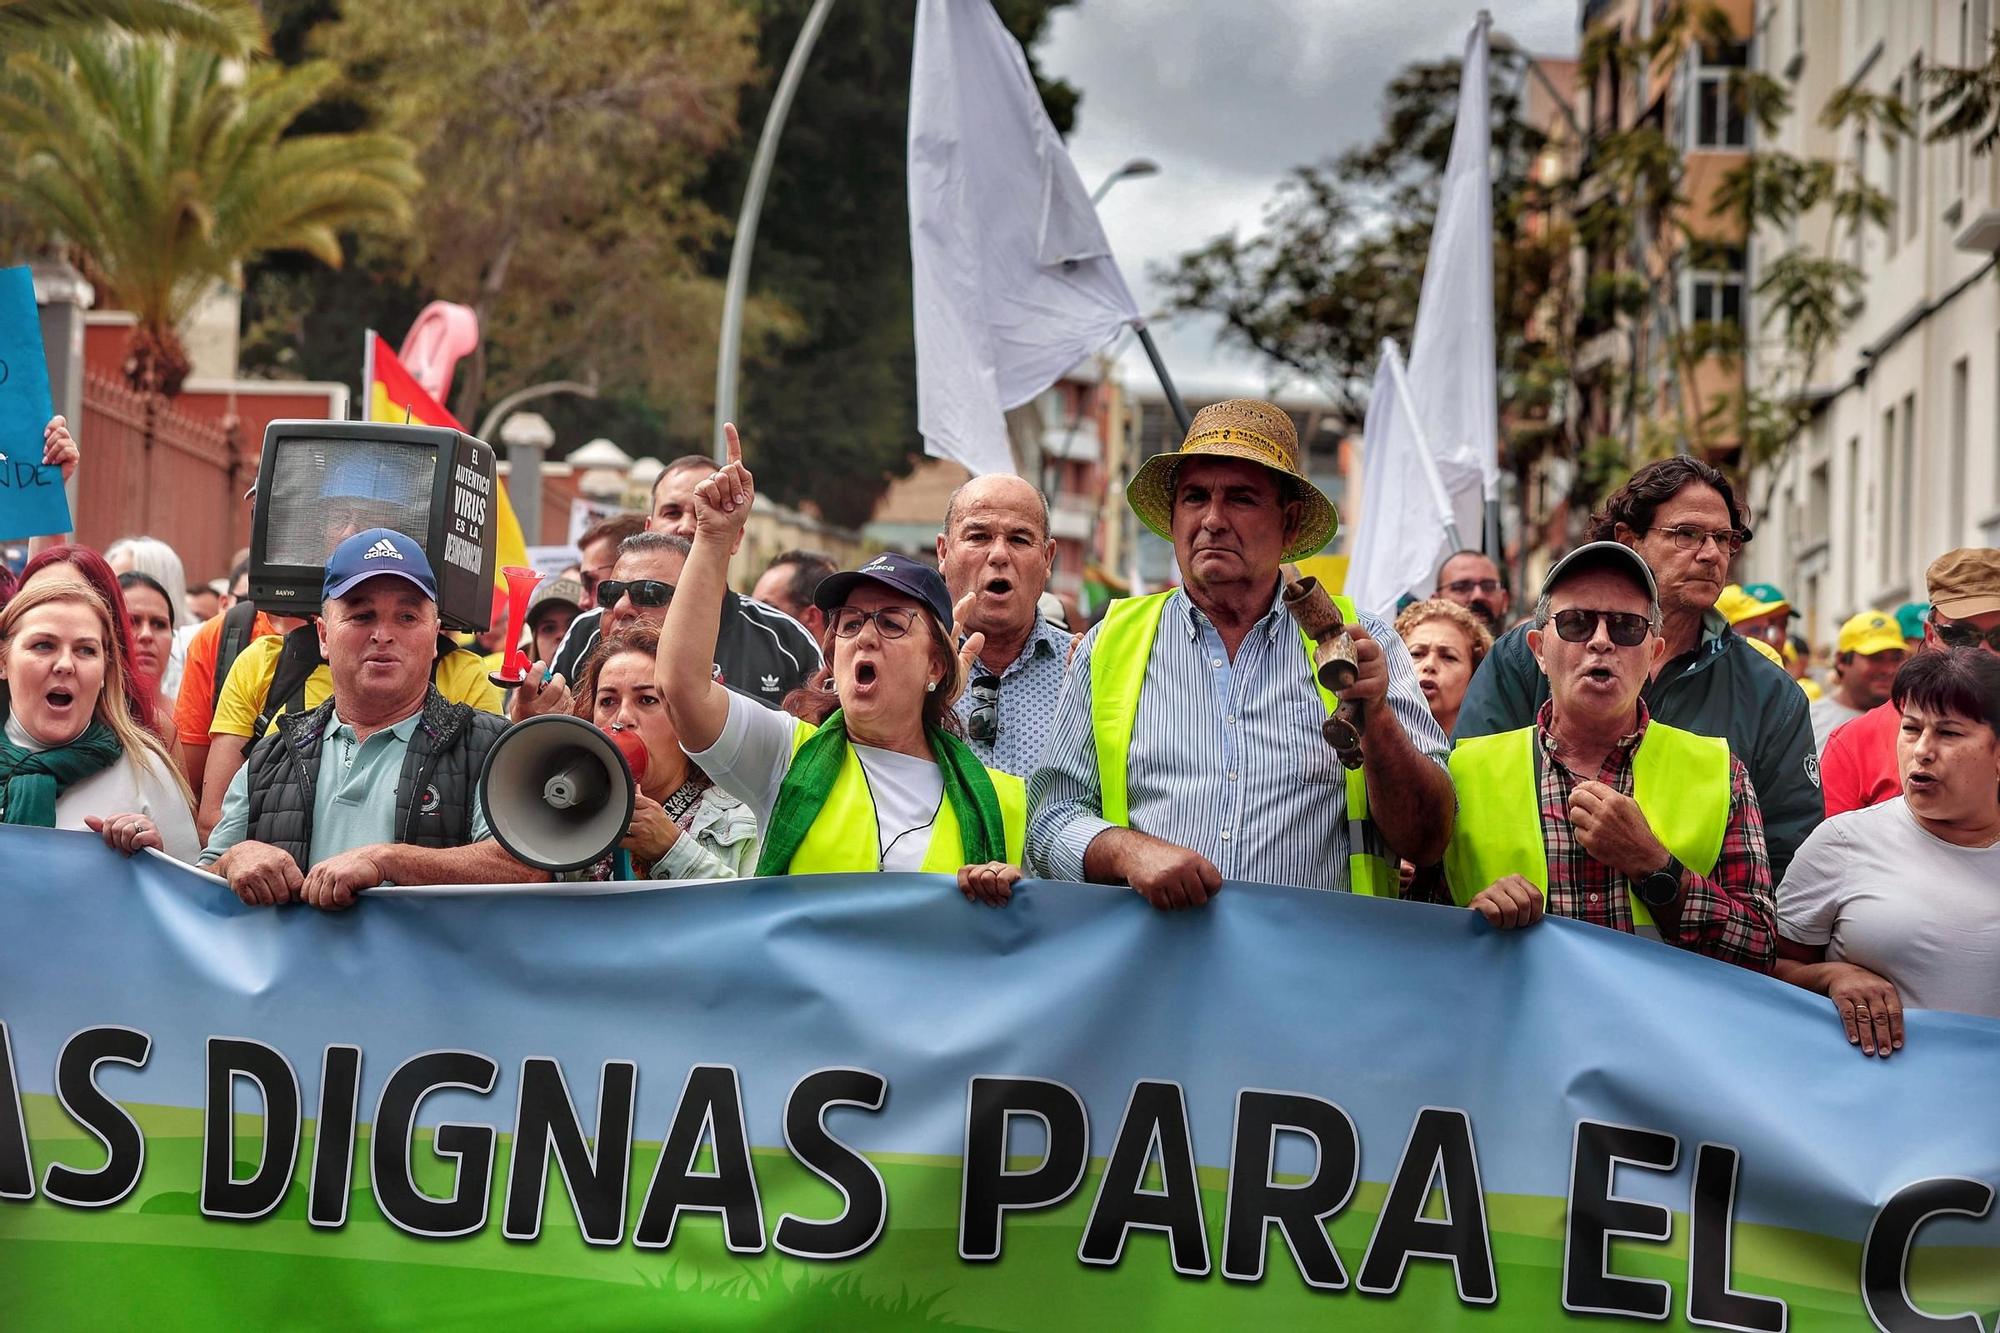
(151, 470)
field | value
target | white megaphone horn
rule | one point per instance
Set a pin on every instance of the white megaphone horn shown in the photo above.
(557, 792)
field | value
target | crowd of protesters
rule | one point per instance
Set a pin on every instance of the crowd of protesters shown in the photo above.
(1644, 747)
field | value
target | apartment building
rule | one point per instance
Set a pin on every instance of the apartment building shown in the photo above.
(1900, 459)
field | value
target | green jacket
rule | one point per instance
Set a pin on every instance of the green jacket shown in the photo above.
(1723, 688)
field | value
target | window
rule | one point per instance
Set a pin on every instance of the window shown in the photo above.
(1961, 445)
(1913, 191)
(1855, 521)
(1858, 237)
(1906, 467)
(1712, 296)
(1961, 146)
(1717, 119)
(1879, 522)
(1892, 177)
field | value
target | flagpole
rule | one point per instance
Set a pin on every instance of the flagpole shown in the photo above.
(1424, 454)
(1166, 381)
(729, 353)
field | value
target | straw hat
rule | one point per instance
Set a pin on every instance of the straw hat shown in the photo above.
(1255, 432)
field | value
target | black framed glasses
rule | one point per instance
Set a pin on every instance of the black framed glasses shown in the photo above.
(1627, 629)
(1467, 587)
(1688, 537)
(1964, 634)
(644, 592)
(893, 622)
(983, 723)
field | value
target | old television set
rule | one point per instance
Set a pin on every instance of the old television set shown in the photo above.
(321, 482)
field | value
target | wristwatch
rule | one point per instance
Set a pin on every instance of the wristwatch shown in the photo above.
(1658, 889)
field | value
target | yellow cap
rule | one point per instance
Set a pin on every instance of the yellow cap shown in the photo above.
(1870, 633)
(1738, 604)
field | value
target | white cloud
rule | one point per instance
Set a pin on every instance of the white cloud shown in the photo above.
(1227, 96)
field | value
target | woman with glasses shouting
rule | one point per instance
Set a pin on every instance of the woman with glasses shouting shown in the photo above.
(882, 782)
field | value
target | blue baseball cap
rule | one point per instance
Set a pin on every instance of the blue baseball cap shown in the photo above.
(912, 578)
(376, 551)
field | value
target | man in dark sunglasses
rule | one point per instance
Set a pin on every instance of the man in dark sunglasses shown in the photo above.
(760, 651)
(1682, 517)
(1599, 812)
(1858, 763)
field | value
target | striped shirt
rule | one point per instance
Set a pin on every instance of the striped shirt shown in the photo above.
(1026, 700)
(1226, 759)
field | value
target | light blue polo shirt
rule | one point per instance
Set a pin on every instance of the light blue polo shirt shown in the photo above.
(354, 798)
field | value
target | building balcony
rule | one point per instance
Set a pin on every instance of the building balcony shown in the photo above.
(1073, 518)
(1078, 443)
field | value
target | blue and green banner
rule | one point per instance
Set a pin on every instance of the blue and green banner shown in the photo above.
(860, 1101)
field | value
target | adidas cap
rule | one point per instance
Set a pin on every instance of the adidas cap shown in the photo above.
(376, 551)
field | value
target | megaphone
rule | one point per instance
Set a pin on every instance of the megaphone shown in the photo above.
(557, 792)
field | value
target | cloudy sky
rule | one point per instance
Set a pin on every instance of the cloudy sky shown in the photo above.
(1227, 96)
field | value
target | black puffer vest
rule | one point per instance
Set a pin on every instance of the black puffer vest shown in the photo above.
(433, 795)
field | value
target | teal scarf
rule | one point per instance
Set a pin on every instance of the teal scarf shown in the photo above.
(31, 781)
(817, 764)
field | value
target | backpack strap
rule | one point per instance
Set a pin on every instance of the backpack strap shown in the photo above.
(237, 625)
(297, 660)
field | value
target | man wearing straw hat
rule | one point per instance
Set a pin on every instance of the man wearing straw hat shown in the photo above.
(1187, 747)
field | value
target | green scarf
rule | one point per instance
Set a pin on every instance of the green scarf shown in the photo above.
(32, 780)
(817, 765)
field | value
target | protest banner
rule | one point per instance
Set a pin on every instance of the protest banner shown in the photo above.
(859, 1101)
(32, 500)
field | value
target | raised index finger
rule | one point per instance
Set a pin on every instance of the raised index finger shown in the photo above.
(732, 442)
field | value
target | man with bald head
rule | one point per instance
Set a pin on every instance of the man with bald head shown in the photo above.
(995, 554)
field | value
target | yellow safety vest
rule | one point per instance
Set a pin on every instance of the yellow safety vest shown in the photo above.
(844, 837)
(1679, 779)
(1118, 663)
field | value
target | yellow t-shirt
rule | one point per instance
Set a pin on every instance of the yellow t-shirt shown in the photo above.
(460, 678)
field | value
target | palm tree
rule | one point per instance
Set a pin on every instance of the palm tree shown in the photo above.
(230, 26)
(165, 167)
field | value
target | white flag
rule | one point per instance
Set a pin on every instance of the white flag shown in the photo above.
(1400, 539)
(1013, 280)
(1452, 363)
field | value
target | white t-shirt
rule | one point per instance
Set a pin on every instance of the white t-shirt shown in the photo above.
(1879, 890)
(123, 789)
(749, 759)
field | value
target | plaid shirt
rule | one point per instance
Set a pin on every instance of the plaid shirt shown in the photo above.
(1729, 914)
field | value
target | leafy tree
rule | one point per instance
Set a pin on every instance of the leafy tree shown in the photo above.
(165, 169)
(558, 143)
(231, 27)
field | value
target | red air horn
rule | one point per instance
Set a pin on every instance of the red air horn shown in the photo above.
(514, 663)
(634, 750)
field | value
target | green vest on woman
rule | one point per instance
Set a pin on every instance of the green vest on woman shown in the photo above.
(1118, 660)
(1679, 779)
(843, 838)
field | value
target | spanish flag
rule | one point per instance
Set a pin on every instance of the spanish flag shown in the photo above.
(394, 395)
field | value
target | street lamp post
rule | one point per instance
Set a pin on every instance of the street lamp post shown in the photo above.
(728, 358)
(1145, 166)
(527, 436)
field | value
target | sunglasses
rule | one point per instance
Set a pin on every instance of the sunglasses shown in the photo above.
(1961, 634)
(893, 622)
(1627, 629)
(644, 592)
(983, 725)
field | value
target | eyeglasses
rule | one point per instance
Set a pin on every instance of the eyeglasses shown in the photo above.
(1688, 537)
(1628, 629)
(1963, 634)
(1467, 587)
(893, 622)
(984, 723)
(644, 592)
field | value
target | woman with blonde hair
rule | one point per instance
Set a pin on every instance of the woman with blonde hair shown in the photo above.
(1447, 643)
(683, 825)
(72, 755)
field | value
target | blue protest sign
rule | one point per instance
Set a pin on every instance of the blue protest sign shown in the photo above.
(32, 501)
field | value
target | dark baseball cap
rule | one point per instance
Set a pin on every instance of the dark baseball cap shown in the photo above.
(1615, 556)
(912, 578)
(377, 551)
